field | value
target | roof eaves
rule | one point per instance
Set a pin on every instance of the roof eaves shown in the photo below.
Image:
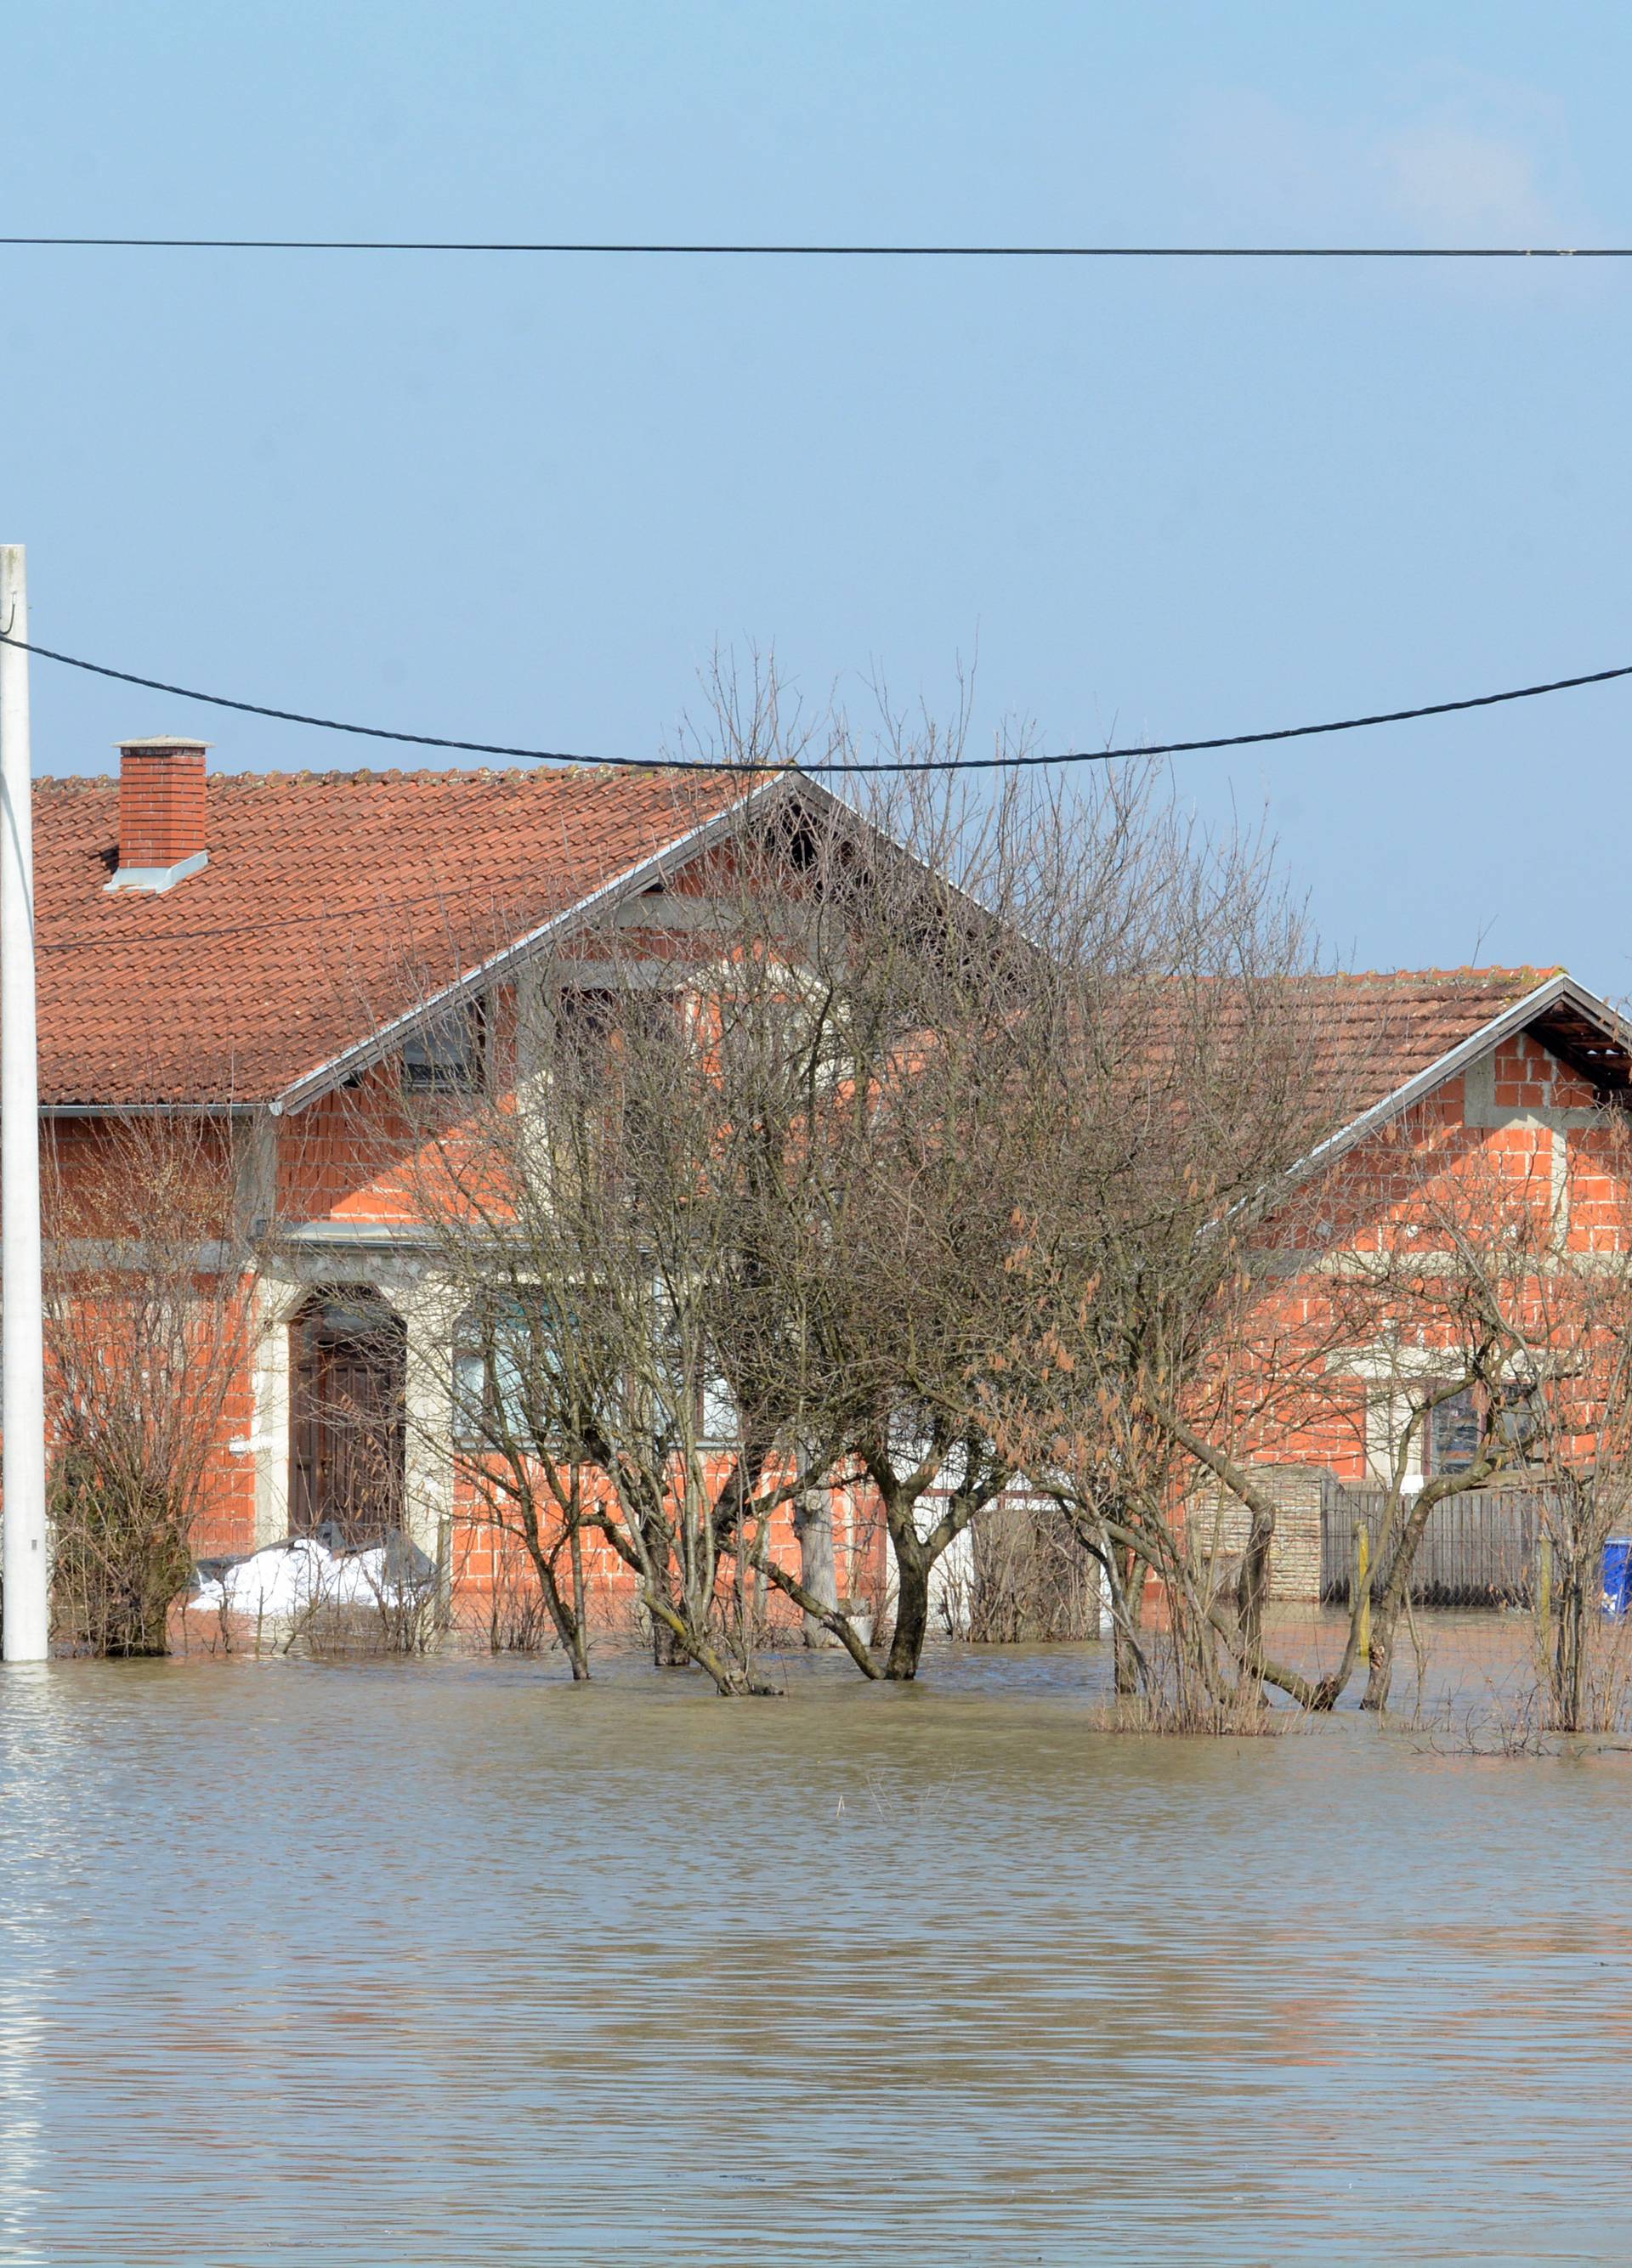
(385, 1038)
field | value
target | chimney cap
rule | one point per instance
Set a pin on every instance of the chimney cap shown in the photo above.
(165, 740)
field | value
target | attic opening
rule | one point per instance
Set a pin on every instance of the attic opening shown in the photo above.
(447, 1054)
(1595, 1054)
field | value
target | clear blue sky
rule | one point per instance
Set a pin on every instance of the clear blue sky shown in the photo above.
(523, 500)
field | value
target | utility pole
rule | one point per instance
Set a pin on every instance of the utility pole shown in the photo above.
(27, 1627)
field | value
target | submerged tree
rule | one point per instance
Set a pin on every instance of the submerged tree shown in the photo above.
(928, 1152)
(1503, 1271)
(151, 1267)
(728, 1235)
(1169, 1111)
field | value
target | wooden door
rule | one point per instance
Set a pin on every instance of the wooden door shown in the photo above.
(348, 1372)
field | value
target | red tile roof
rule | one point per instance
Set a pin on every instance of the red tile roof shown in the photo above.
(1358, 1040)
(1379, 1029)
(331, 902)
(334, 900)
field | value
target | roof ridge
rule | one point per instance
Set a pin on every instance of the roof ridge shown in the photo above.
(426, 779)
(395, 773)
(1484, 973)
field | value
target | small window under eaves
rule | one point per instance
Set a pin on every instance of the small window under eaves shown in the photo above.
(448, 1054)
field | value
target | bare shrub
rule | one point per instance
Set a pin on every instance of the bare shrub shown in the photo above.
(149, 1277)
(394, 1622)
(1034, 1582)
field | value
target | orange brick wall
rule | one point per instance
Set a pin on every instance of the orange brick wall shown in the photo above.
(492, 1572)
(345, 1158)
(1388, 1191)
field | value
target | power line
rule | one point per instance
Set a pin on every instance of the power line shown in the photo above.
(380, 732)
(834, 251)
(839, 765)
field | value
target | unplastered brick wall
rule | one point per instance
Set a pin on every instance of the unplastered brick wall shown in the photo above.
(493, 1587)
(348, 1152)
(1526, 1077)
(227, 1522)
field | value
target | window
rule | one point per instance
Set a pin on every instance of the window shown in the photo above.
(528, 1370)
(471, 1427)
(584, 1020)
(594, 1025)
(1458, 1429)
(446, 1055)
(511, 1382)
(691, 1391)
(720, 1424)
(1456, 1433)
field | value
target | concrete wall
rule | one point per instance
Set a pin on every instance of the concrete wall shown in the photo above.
(1221, 1525)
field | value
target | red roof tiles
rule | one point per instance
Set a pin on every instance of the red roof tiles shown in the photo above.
(1379, 1029)
(331, 902)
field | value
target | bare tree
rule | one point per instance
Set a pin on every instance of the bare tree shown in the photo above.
(730, 1234)
(1508, 1300)
(589, 1241)
(1171, 1099)
(150, 1269)
(877, 1176)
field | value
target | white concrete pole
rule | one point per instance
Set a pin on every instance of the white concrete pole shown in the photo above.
(26, 1633)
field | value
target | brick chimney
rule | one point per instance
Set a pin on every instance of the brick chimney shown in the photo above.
(161, 813)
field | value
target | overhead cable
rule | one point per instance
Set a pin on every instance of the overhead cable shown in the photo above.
(842, 765)
(832, 250)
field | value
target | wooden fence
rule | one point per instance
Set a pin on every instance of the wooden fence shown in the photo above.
(1479, 1548)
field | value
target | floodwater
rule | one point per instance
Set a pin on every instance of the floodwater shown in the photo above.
(448, 1962)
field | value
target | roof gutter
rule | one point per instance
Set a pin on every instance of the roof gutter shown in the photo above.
(239, 1110)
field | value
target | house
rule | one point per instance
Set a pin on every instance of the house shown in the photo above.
(256, 952)
(280, 957)
(1482, 1106)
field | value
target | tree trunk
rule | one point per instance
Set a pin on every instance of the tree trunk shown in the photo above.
(1389, 1596)
(1388, 1600)
(913, 1566)
(568, 1617)
(1251, 1592)
(668, 1652)
(691, 1644)
(580, 1649)
(1381, 1664)
(813, 1525)
(1570, 1656)
(1127, 1666)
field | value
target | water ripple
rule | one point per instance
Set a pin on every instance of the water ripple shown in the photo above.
(422, 1964)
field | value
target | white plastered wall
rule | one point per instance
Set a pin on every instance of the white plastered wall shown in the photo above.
(429, 1309)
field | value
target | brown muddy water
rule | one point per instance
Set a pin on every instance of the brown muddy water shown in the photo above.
(449, 1963)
